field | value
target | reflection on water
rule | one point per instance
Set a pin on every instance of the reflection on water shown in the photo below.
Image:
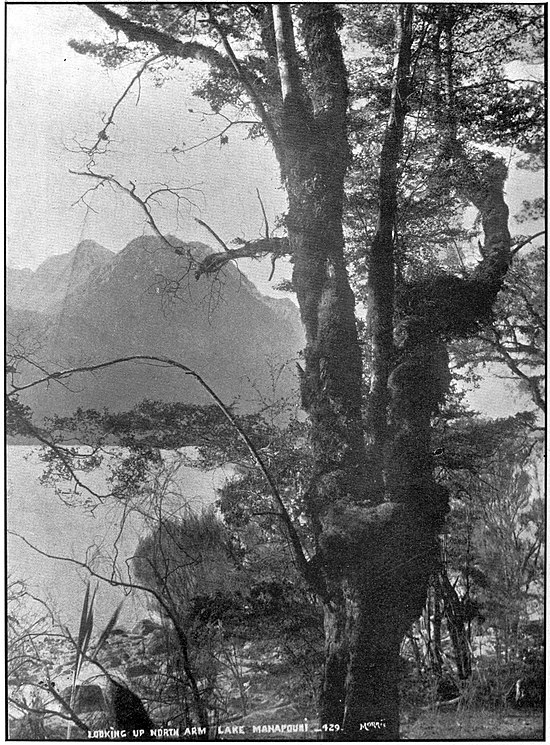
(36, 512)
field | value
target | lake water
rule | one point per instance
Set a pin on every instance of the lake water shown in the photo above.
(36, 512)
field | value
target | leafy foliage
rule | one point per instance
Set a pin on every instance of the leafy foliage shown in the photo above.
(516, 334)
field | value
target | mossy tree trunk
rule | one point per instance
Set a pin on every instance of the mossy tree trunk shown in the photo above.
(376, 512)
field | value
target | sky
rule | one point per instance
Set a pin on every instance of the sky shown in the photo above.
(57, 98)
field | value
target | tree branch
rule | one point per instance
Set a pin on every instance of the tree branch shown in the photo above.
(71, 716)
(525, 241)
(329, 80)
(513, 365)
(496, 81)
(381, 281)
(142, 203)
(164, 42)
(59, 451)
(214, 234)
(292, 535)
(190, 50)
(249, 250)
(287, 59)
(263, 213)
(102, 135)
(246, 82)
(182, 638)
(175, 151)
(50, 712)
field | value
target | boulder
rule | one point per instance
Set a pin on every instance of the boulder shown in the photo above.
(145, 627)
(89, 697)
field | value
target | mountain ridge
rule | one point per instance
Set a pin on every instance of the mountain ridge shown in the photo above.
(55, 276)
(146, 300)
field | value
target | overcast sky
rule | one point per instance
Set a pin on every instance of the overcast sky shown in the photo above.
(57, 97)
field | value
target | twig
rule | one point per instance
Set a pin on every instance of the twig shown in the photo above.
(49, 712)
(59, 451)
(102, 135)
(525, 241)
(264, 214)
(131, 192)
(213, 233)
(284, 516)
(244, 78)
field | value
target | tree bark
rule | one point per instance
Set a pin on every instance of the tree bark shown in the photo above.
(436, 650)
(381, 279)
(456, 623)
(375, 530)
(377, 547)
(385, 564)
(313, 156)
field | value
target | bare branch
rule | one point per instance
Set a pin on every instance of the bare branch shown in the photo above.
(131, 192)
(272, 272)
(213, 233)
(175, 151)
(102, 135)
(263, 213)
(249, 250)
(82, 198)
(513, 365)
(525, 241)
(244, 78)
(283, 513)
(71, 717)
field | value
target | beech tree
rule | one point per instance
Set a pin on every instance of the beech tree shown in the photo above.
(372, 500)
(515, 338)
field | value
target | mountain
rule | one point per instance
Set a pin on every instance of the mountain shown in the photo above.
(56, 277)
(16, 281)
(92, 305)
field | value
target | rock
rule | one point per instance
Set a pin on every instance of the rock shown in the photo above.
(157, 643)
(88, 698)
(127, 710)
(136, 671)
(145, 627)
(119, 632)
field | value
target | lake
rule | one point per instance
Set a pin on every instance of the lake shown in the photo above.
(39, 514)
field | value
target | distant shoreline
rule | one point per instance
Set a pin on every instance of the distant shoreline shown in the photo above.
(13, 440)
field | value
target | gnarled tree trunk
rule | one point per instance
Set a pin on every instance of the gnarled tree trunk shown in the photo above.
(375, 516)
(376, 530)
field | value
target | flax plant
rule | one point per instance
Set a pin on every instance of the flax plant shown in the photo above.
(83, 642)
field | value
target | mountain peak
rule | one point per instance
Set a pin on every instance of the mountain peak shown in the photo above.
(152, 244)
(100, 310)
(92, 249)
(57, 276)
